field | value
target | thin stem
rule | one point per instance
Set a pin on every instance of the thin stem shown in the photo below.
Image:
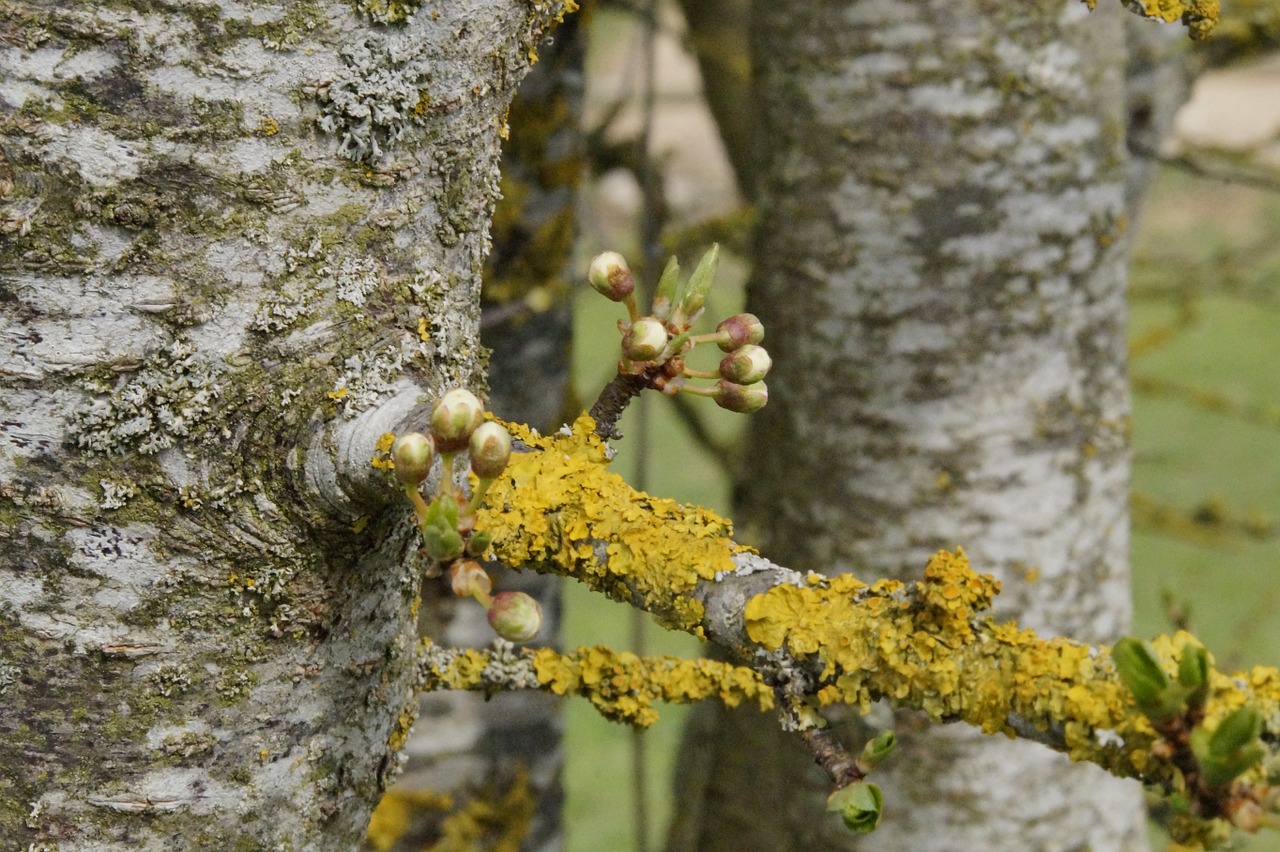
(420, 506)
(700, 391)
(477, 498)
(446, 474)
(613, 400)
(700, 374)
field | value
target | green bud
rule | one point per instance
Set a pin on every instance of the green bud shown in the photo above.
(1241, 726)
(442, 545)
(1141, 674)
(664, 297)
(876, 750)
(1193, 673)
(1231, 749)
(645, 339)
(743, 400)
(699, 284)
(412, 455)
(479, 543)
(746, 365)
(860, 805)
(741, 329)
(611, 277)
(455, 416)
(515, 616)
(490, 447)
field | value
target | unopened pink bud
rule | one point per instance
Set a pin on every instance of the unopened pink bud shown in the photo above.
(746, 365)
(740, 399)
(611, 277)
(644, 340)
(412, 455)
(741, 330)
(455, 416)
(466, 577)
(490, 448)
(515, 616)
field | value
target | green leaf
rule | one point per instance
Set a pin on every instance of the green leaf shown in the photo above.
(1241, 727)
(1138, 669)
(442, 546)
(699, 284)
(479, 543)
(860, 805)
(1193, 673)
(665, 296)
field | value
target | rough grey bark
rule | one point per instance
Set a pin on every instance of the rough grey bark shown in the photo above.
(240, 242)
(940, 268)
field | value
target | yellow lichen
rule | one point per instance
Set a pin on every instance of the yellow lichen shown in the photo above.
(559, 509)
(382, 452)
(394, 814)
(922, 645)
(623, 686)
(489, 818)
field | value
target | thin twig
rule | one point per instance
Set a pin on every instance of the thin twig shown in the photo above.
(613, 400)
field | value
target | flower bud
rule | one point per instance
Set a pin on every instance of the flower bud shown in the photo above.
(467, 576)
(412, 455)
(490, 447)
(743, 400)
(455, 417)
(611, 277)
(644, 340)
(747, 365)
(876, 750)
(741, 329)
(515, 616)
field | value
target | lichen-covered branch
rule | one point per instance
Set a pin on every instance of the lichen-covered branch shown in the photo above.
(621, 685)
(922, 644)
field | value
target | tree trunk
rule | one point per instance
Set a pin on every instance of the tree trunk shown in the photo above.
(239, 245)
(941, 270)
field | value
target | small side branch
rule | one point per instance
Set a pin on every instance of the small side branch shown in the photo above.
(613, 400)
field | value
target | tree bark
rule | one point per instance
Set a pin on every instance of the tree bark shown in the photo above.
(240, 243)
(941, 270)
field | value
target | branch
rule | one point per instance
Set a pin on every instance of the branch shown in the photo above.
(837, 640)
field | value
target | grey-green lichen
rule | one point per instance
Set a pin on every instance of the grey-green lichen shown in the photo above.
(153, 409)
(378, 96)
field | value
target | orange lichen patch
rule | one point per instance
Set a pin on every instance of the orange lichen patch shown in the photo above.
(623, 686)
(559, 509)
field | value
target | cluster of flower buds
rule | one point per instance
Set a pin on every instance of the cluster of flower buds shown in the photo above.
(656, 345)
(447, 522)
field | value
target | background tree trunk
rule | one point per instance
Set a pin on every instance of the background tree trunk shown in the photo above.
(239, 242)
(940, 266)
